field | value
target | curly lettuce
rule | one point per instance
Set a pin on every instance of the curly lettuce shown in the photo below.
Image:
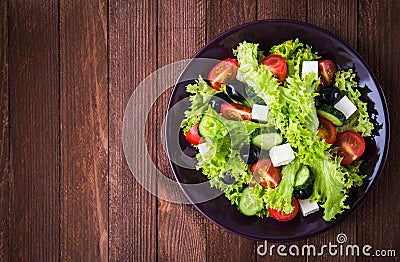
(329, 186)
(360, 121)
(281, 197)
(201, 93)
(294, 53)
(223, 156)
(249, 71)
(352, 175)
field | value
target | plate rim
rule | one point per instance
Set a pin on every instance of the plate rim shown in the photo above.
(347, 213)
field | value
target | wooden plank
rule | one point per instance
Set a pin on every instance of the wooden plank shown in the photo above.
(223, 245)
(84, 130)
(34, 130)
(4, 135)
(132, 211)
(292, 10)
(277, 9)
(378, 43)
(220, 18)
(181, 32)
(340, 18)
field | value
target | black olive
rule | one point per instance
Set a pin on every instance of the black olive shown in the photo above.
(228, 179)
(252, 96)
(249, 154)
(302, 193)
(236, 90)
(329, 95)
(223, 96)
(217, 100)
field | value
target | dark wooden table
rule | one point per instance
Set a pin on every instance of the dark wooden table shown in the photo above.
(68, 69)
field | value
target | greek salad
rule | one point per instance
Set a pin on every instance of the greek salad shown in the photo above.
(279, 132)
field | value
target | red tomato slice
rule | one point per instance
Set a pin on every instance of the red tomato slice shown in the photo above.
(326, 130)
(223, 72)
(327, 70)
(235, 112)
(277, 65)
(351, 146)
(282, 216)
(193, 137)
(266, 174)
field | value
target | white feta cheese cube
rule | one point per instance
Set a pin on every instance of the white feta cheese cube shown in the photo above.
(307, 207)
(308, 67)
(345, 106)
(259, 112)
(203, 149)
(281, 155)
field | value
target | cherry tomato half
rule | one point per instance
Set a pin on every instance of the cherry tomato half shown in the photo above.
(223, 72)
(282, 216)
(327, 70)
(277, 65)
(326, 130)
(235, 112)
(266, 174)
(351, 146)
(193, 137)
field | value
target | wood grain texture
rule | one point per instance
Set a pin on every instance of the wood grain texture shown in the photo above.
(278, 9)
(378, 41)
(224, 15)
(4, 135)
(344, 13)
(34, 130)
(132, 56)
(181, 33)
(84, 130)
(336, 16)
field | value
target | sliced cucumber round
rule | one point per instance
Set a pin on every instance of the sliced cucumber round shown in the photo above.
(303, 177)
(265, 138)
(332, 114)
(248, 205)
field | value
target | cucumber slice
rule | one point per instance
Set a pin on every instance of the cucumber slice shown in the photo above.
(209, 126)
(248, 205)
(267, 141)
(263, 130)
(303, 178)
(332, 114)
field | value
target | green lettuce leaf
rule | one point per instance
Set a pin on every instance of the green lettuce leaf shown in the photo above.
(223, 156)
(201, 93)
(247, 56)
(295, 53)
(280, 198)
(353, 176)
(251, 73)
(329, 186)
(360, 121)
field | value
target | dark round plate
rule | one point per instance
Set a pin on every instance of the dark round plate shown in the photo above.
(268, 33)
